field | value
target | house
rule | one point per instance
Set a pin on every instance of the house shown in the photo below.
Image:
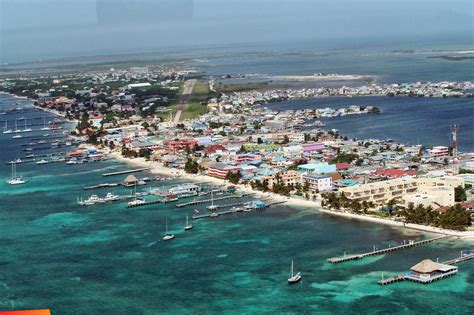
(221, 170)
(317, 168)
(175, 145)
(439, 152)
(318, 183)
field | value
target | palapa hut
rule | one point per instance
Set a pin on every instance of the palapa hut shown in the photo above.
(428, 271)
(130, 180)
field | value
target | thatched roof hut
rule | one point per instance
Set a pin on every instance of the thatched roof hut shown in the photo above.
(428, 266)
(130, 180)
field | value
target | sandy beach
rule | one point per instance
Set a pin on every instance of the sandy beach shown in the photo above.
(157, 168)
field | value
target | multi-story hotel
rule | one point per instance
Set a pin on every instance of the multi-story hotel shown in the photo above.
(383, 191)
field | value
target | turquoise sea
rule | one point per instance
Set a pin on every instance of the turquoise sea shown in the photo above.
(108, 259)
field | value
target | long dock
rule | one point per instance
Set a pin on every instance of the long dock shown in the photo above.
(337, 260)
(460, 259)
(126, 172)
(197, 202)
(216, 214)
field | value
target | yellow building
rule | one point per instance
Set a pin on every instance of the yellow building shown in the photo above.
(383, 191)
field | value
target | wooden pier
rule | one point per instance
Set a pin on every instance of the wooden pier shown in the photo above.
(216, 214)
(126, 172)
(391, 280)
(337, 260)
(197, 202)
(411, 277)
(460, 259)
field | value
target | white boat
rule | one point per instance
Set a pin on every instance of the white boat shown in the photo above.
(43, 161)
(167, 236)
(26, 128)
(136, 202)
(92, 200)
(5, 129)
(249, 207)
(15, 180)
(294, 278)
(17, 137)
(212, 207)
(44, 125)
(111, 197)
(188, 226)
(214, 214)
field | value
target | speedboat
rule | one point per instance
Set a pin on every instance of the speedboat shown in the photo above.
(111, 197)
(136, 202)
(92, 200)
(42, 162)
(16, 181)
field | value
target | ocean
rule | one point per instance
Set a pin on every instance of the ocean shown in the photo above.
(412, 120)
(108, 259)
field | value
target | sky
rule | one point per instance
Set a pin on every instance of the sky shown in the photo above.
(32, 30)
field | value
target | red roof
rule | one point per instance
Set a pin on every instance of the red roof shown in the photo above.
(343, 166)
(214, 148)
(393, 173)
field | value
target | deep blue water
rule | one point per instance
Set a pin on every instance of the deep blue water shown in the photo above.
(413, 120)
(108, 259)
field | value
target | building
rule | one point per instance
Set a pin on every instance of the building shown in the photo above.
(317, 168)
(439, 152)
(434, 196)
(428, 271)
(176, 145)
(220, 170)
(383, 191)
(318, 183)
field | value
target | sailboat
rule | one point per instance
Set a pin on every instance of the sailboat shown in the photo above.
(26, 128)
(294, 278)
(5, 129)
(188, 226)
(167, 236)
(212, 207)
(44, 125)
(15, 180)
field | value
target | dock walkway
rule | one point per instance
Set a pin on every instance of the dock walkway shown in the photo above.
(197, 202)
(337, 260)
(126, 172)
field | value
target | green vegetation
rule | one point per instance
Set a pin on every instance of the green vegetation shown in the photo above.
(228, 88)
(191, 166)
(460, 194)
(194, 110)
(260, 185)
(455, 218)
(465, 171)
(233, 177)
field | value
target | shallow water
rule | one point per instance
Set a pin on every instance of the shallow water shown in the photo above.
(108, 259)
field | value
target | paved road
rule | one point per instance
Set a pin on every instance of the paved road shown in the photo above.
(183, 101)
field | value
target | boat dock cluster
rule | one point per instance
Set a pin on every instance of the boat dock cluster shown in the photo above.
(424, 272)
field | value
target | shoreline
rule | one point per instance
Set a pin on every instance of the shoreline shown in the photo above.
(156, 168)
